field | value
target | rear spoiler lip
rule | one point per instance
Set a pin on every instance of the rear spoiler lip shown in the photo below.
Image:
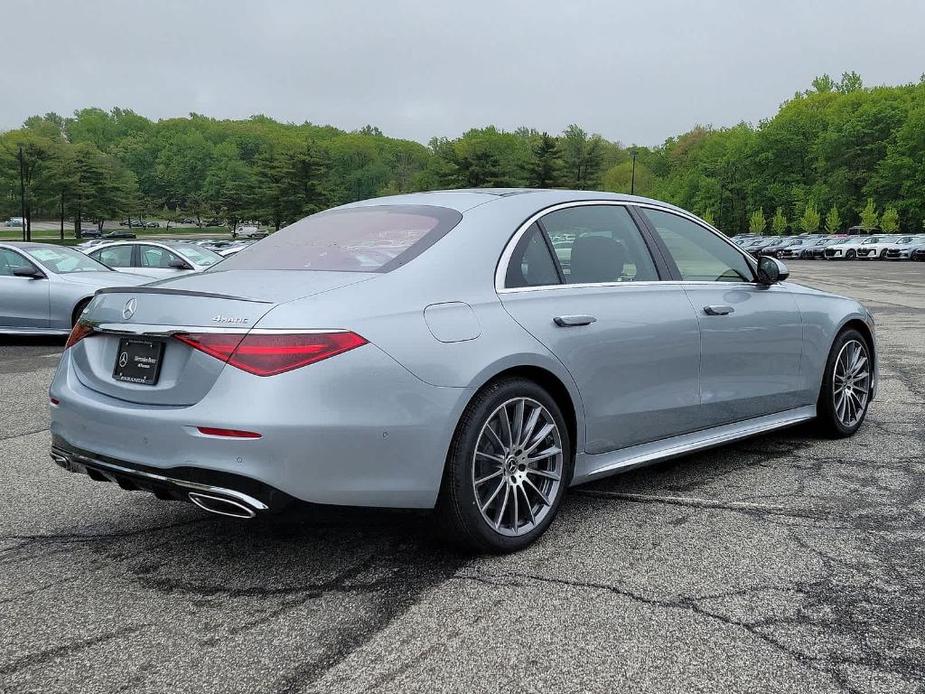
(178, 292)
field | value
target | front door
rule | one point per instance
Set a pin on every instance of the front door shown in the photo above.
(582, 281)
(752, 335)
(23, 300)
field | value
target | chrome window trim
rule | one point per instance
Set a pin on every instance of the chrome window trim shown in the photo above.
(505, 259)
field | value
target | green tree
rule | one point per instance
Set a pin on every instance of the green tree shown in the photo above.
(779, 222)
(869, 217)
(709, 218)
(811, 220)
(757, 222)
(890, 220)
(833, 220)
(582, 155)
(544, 169)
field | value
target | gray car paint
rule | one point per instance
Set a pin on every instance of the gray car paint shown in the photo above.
(46, 305)
(373, 426)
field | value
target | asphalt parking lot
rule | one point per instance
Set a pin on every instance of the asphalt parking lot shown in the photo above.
(782, 564)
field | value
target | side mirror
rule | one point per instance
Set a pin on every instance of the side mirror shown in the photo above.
(771, 270)
(180, 265)
(31, 272)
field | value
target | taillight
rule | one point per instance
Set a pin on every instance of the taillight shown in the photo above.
(268, 354)
(78, 332)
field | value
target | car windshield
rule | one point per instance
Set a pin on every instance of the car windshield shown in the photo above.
(197, 254)
(63, 260)
(377, 238)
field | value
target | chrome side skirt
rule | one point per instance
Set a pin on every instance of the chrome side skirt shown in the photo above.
(589, 467)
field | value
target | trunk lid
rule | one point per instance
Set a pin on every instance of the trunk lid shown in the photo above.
(231, 301)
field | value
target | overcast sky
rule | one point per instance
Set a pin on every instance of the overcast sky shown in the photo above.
(635, 71)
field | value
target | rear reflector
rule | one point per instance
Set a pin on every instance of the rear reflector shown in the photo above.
(78, 332)
(54, 401)
(229, 433)
(268, 354)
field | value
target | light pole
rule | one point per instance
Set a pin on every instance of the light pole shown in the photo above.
(22, 194)
(633, 178)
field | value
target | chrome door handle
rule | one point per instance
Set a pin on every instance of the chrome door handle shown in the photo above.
(571, 321)
(718, 310)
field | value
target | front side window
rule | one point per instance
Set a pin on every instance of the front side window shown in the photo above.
(699, 254)
(599, 243)
(377, 238)
(115, 256)
(11, 261)
(157, 257)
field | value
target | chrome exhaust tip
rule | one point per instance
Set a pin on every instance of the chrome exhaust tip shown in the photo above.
(221, 506)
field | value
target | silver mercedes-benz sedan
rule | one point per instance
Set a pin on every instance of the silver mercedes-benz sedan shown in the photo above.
(44, 287)
(434, 350)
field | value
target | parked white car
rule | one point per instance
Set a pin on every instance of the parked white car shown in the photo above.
(844, 248)
(873, 247)
(158, 259)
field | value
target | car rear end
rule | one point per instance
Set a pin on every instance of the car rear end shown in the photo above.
(193, 389)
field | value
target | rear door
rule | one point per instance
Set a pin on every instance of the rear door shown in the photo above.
(583, 281)
(752, 335)
(23, 300)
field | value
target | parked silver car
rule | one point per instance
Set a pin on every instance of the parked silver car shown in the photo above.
(44, 288)
(158, 259)
(430, 350)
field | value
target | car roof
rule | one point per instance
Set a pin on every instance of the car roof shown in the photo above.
(28, 245)
(465, 199)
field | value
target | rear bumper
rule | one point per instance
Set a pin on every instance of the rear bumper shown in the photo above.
(250, 496)
(355, 430)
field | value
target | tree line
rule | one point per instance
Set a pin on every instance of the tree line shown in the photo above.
(834, 155)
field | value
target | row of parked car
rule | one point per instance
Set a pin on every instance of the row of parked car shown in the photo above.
(836, 246)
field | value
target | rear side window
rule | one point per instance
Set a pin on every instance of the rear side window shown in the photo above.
(599, 244)
(359, 239)
(531, 263)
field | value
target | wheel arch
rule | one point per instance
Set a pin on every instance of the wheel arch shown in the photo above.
(560, 386)
(856, 323)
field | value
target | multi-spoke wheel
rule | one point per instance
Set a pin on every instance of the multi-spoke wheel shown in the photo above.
(846, 387)
(517, 466)
(508, 468)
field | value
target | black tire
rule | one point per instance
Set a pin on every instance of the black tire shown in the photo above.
(458, 508)
(78, 309)
(851, 255)
(827, 415)
(883, 254)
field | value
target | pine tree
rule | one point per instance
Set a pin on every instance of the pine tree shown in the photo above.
(779, 223)
(869, 217)
(833, 220)
(757, 222)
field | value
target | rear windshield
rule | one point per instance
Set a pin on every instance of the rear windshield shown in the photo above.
(359, 239)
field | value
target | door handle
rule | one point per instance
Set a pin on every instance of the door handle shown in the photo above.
(718, 310)
(572, 321)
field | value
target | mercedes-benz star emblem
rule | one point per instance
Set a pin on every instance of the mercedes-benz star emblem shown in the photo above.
(129, 309)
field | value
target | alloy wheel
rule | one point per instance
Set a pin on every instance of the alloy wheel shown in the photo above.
(517, 466)
(851, 383)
